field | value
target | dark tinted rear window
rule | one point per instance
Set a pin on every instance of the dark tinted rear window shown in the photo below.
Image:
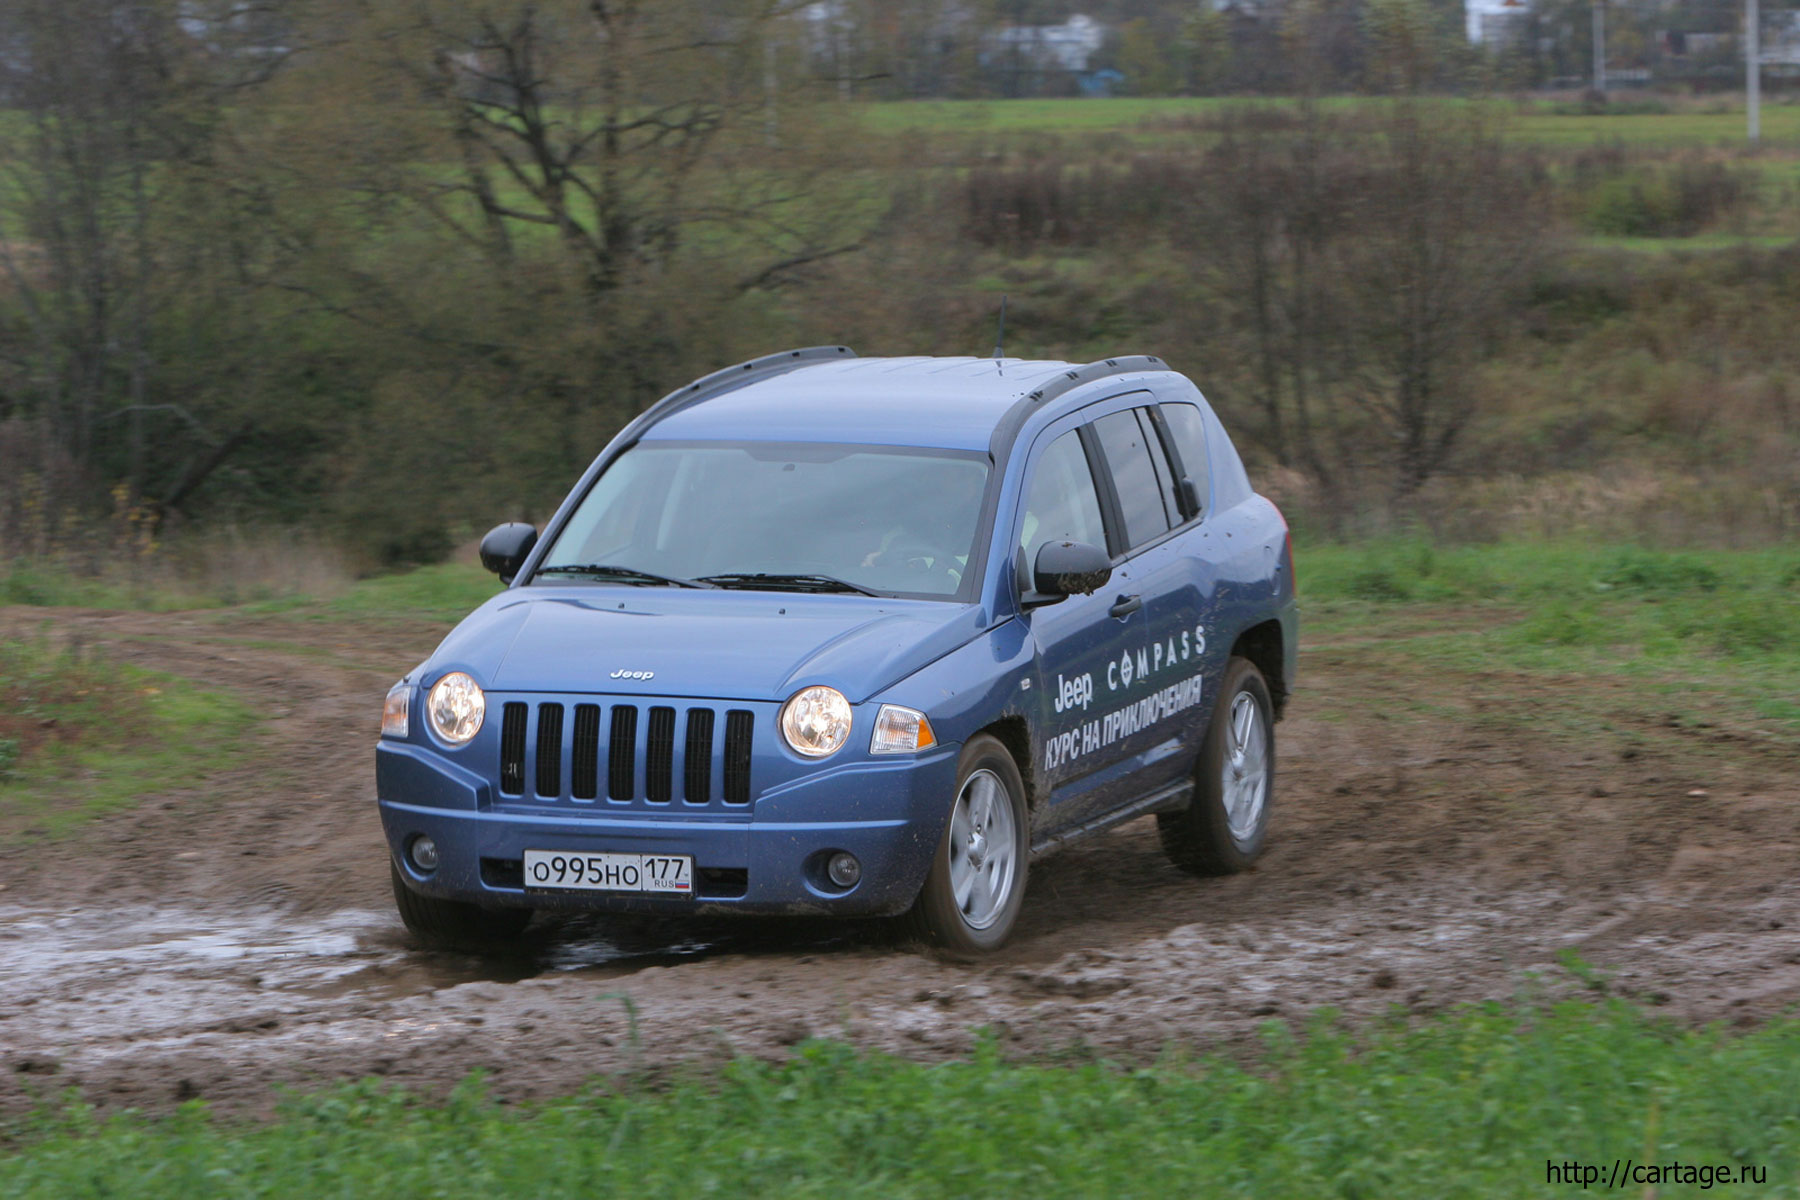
(1189, 430)
(1129, 455)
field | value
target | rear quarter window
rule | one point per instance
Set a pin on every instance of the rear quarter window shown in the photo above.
(1130, 456)
(1188, 427)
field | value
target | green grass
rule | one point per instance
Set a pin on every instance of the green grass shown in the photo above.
(1698, 242)
(46, 584)
(1032, 116)
(1473, 1103)
(1700, 635)
(1540, 122)
(81, 737)
(1727, 604)
(445, 592)
(1780, 128)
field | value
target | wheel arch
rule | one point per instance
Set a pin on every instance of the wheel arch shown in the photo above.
(1263, 645)
(1014, 733)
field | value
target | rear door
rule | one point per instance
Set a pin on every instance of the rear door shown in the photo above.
(1154, 689)
(1182, 431)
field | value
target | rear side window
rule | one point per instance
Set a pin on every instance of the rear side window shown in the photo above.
(1159, 461)
(1189, 430)
(1131, 456)
(1061, 504)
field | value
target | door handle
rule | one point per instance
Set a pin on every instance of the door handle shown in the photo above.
(1124, 606)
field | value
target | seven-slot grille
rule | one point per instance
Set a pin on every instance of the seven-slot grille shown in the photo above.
(679, 750)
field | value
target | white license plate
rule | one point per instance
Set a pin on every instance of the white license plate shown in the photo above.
(562, 870)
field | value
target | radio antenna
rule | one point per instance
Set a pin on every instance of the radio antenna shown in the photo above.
(1000, 336)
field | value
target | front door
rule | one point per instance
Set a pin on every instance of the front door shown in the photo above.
(1076, 640)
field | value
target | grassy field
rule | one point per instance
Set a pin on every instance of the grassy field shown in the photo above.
(1695, 636)
(1475, 1103)
(81, 736)
(1667, 618)
(1698, 243)
(445, 592)
(1780, 128)
(1685, 632)
(1544, 122)
(1692, 629)
(1472, 1102)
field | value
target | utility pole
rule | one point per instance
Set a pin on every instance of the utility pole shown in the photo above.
(1753, 68)
(1600, 45)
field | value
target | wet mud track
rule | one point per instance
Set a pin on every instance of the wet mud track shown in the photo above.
(239, 934)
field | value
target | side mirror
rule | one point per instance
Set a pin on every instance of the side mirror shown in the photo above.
(504, 548)
(1065, 568)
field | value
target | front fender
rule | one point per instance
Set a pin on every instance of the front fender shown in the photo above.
(971, 688)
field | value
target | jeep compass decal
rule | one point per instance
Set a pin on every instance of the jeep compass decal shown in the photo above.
(1123, 722)
(1133, 665)
(1145, 661)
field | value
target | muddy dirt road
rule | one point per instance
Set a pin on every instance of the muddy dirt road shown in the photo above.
(238, 933)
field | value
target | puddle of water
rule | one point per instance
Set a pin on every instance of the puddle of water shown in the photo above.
(40, 947)
(97, 986)
(155, 963)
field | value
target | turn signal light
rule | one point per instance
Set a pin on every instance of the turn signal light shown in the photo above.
(900, 730)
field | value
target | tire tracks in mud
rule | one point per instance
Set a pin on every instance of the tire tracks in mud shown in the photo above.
(245, 937)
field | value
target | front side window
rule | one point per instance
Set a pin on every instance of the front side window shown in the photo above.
(1135, 476)
(788, 516)
(1061, 504)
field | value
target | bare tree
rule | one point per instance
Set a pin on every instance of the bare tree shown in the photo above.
(110, 101)
(1450, 224)
(76, 206)
(630, 132)
(1354, 270)
(1266, 244)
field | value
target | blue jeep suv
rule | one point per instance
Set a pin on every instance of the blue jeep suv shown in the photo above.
(827, 634)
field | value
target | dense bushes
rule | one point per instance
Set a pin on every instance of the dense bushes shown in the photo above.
(342, 332)
(1662, 199)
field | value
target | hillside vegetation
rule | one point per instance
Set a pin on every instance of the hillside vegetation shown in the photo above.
(377, 294)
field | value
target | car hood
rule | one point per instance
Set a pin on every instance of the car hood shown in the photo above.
(733, 645)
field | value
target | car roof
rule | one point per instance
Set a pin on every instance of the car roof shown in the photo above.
(954, 403)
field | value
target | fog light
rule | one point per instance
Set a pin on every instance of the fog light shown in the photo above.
(424, 853)
(844, 870)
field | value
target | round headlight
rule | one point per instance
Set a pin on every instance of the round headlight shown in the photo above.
(816, 721)
(455, 708)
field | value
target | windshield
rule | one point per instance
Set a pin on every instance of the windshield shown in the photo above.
(777, 516)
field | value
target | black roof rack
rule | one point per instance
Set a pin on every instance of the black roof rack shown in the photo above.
(1071, 379)
(731, 378)
(1058, 384)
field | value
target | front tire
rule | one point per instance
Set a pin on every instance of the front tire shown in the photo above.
(976, 885)
(1223, 830)
(455, 924)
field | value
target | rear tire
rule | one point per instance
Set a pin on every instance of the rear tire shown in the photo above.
(976, 885)
(455, 924)
(1224, 829)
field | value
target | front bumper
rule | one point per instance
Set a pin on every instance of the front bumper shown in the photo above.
(768, 858)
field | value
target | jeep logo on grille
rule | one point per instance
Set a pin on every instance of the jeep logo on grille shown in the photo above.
(634, 674)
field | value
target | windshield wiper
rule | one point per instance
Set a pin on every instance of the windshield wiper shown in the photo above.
(622, 574)
(776, 582)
